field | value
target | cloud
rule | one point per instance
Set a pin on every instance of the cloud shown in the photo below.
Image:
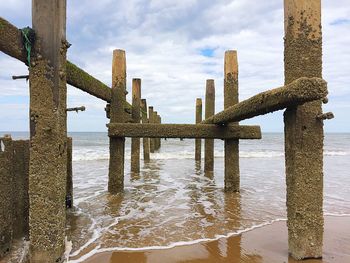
(175, 45)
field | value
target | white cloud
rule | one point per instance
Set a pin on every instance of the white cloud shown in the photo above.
(164, 40)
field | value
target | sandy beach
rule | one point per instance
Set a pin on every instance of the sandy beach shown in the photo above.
(265, 244)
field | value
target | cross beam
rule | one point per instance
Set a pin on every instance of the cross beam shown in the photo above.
(296, 93)
(11, 44)
(190, 131)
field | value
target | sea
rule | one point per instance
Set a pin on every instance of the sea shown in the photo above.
(172, 201)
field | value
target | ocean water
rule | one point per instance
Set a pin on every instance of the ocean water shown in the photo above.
(172, 201)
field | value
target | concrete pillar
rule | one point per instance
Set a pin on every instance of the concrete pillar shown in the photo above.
(209, 111)
(150, 118)
(156, 140)
(303, 131)
(20, 189)
(145, 141)
(159, 140)
(232, 180)
(135, 142)
(198, 142)
(117, 145)
(69, 187)
(48, 143)
(6, 194)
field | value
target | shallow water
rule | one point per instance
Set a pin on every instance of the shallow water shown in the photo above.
(173, 202)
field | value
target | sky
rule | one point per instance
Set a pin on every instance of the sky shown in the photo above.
(174, 46)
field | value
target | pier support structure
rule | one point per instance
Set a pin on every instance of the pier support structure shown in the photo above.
(151, 120)
(145, 141)
(118, 102)
(135, 142)
(198, 142)
(48, 137)
(304, 131)
(209, 111)
(69, 188)
(232, 178)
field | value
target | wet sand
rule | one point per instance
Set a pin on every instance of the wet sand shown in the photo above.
(265, 244)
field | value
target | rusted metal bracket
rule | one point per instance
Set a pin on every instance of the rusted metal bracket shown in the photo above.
(76, 109)
(325, 116)
(21, 77)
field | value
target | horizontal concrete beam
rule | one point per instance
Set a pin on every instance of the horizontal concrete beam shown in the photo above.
(296, 93)
(11, 44)
(190, 131)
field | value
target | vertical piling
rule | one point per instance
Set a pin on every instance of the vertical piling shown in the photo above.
(303, 131)
(155, 120)
(135, 142)
(6, 195)
(232, 180)
(145, 141)
(209, 111)
(198, 142)
(150, 119)
(69, 193)
(48, 143)
(160, 139)
(20, 188)
(117, 145)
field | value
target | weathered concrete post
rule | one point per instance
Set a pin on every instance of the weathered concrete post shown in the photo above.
(232, 180)
(209, 111)
(156, 140)
(198, 142)
(145, 141)
(135, 142)
(20, 188)
(303, 131)
(48, 142)
(69, 190)
(150, 119)
(117, 145)
(159, 140)
(6, 195)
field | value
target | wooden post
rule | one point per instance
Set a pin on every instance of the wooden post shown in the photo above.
(303, 131)
(198, 142)
(150, 119)
(145, 141)
(135, 142)
(232, 180)
(48, 142)
(69, 190)
(209, 111)
(117, 145)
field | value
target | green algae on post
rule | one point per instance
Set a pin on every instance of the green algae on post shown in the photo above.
(303, 131)
(48, 142)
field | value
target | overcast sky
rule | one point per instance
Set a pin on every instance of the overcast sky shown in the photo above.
(174, 46)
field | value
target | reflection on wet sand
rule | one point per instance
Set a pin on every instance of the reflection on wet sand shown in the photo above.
(175, 204)
(265, 244)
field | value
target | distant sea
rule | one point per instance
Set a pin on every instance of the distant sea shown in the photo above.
(173, 201)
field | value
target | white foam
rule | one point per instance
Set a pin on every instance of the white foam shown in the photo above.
(98, 248)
